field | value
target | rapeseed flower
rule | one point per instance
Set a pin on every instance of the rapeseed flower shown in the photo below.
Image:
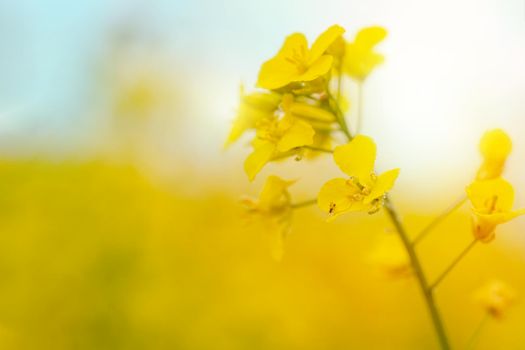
(364, 190)
(278, 137)
(295, 62)
(273, 208)
(495, 146)
(253, 108)
(360, 58)
(495, 297)
(492, 202)
(390, 256)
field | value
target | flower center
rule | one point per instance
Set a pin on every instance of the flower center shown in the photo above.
(490, 204)
(298, 59)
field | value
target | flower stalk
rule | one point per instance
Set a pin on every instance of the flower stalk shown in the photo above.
(453, 264)
(424, 232)
(420, 276)
(299, 112)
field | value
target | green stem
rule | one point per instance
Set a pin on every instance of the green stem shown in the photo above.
(472, 342)
(453, 264)
(439, 219)
(416, 264)
(334, 106)
(304, 204)
(339, 83)
(420, 276)
(359, 107)
(318, 149)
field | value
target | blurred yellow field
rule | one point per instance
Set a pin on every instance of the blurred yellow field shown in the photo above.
(96, 256)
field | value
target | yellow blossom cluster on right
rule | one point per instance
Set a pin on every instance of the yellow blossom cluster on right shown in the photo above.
(495, 297)
(490, 195)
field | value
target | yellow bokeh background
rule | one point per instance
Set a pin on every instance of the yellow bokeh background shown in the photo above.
(97, 256)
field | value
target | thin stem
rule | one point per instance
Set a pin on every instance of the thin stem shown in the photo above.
(339, 115)
(439, 219)
(359, 116)
(473, 340)
(339, 83)
(416, 264)
(304, 204)
(420, 276)
(453, 264)
(318, 149)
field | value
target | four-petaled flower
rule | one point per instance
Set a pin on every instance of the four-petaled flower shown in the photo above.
(495, 147)
(254, 107)
(363, 191)
(391, 257)
(278, 137)
(495, 297)
(492, 202)
(360, 58)
(273, 208)
(295, 62)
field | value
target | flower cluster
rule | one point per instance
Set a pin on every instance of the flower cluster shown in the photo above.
(491, 196)
(296, 113)
(299, 112)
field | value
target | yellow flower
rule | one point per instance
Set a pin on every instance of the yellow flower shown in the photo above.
(495, 297)
(254, 107)
(276, 138)
(391, 257)
(492, 202)
(360, 58)
(495, 147)
(364, 191)
(273, 208)
(295, 62)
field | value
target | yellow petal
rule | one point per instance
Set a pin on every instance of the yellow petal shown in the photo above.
(359, 61)
(281, 70)
(254, 108)
(273, 191)
(261, 155)
(324, 41)
(310, 112)
(495, 145)
(371, 36)
(484, 225)
(319, 68)
(491, 196)
(300, 133)
(384, 183)
(500, 218)
(335, 198)
(357, 157)
(277, 73)
(295, 45)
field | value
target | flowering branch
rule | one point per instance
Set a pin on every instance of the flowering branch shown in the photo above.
(420, 276)
(298, 115)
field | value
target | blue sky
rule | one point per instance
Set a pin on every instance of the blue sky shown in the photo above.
(453, 68)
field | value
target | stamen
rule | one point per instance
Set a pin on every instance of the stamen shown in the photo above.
(332, 208)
